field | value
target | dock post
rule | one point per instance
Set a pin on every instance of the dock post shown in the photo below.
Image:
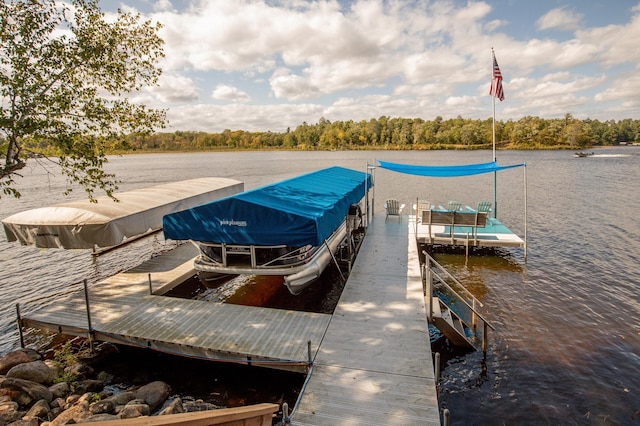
(90, 327)
(484, 340)
(20, 325)
(446, 417)
(429, 289)
(310, 362)
(437, 367)
(474, 317)
(150, 286)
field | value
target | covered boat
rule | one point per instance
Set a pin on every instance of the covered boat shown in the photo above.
(291, 228)
(105, 223)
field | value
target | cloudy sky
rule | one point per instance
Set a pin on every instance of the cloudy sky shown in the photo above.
(268, 65)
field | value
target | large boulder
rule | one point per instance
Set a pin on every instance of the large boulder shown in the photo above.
(35, 371)
(25, 392)
(154, 394)
(19, 356)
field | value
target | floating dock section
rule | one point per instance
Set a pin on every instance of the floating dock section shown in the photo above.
(374, 366)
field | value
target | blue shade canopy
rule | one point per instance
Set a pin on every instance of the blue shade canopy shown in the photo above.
(296, 212)
(446, 171)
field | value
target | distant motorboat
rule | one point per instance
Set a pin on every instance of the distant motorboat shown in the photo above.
(584, 154)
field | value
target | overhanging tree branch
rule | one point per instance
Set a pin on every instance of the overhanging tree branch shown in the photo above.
(64, 73)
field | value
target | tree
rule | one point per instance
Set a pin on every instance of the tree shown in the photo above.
(64, 73)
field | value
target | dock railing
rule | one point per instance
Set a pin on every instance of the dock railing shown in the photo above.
(433, 271)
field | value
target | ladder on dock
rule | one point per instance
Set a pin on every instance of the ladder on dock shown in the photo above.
(459, 325)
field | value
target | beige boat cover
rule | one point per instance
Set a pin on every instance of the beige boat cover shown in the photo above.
(84, 225)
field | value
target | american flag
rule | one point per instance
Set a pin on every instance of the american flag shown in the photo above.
(496, 81)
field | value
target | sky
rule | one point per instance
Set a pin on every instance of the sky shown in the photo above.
(276, 64)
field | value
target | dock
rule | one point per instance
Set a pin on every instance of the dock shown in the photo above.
(369, 363)
(374, 365)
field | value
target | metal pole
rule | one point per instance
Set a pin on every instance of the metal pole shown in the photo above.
(150, 286)
(474, 318)
(495, 174)
(309, 352)
(437, 367)
(429, 289)
(525, 212)
(90, 327)
(484, 339)
(446, 417)
(20, 325)
(334, 260)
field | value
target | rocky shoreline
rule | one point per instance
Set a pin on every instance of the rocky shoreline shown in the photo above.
(66, 385)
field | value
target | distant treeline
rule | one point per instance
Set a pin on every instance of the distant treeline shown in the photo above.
(400, 133)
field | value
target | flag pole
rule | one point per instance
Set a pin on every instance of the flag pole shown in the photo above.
(493, 132)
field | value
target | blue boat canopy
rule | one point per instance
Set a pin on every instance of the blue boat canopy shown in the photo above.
(296, 212)
(446, 171)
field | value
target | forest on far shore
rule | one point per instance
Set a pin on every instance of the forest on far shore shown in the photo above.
(392, 133)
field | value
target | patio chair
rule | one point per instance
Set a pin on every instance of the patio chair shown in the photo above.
(421, 206)
(484, 206)
(454, 206)
(394, 208)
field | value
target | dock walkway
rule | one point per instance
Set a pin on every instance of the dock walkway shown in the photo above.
(374, 365)
(372, 357)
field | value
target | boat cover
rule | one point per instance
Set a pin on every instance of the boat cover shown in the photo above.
(106, 223)
(446, 171)
(295, 212)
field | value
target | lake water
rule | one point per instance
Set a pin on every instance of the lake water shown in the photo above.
(566, 349)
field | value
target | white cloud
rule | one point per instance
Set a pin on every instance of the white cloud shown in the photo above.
(424, 58)
(175, 88)
(230, 93)
(561, 19)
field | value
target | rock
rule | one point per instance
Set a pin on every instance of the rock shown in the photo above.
(20, 356)
(23, 422)
(199, 405)
(39, 411)
(106, 378)
(79, 370)
(100, 353)
(60, 390)
(131, 411)
(26, 392)
(9, 412)
(57, 403)
(122, 398)
(75, 414)
(101, 418)
(106, 406)
(154, 393)
(88, 385)
(54, 366)
(35, 371)
(174, 407)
